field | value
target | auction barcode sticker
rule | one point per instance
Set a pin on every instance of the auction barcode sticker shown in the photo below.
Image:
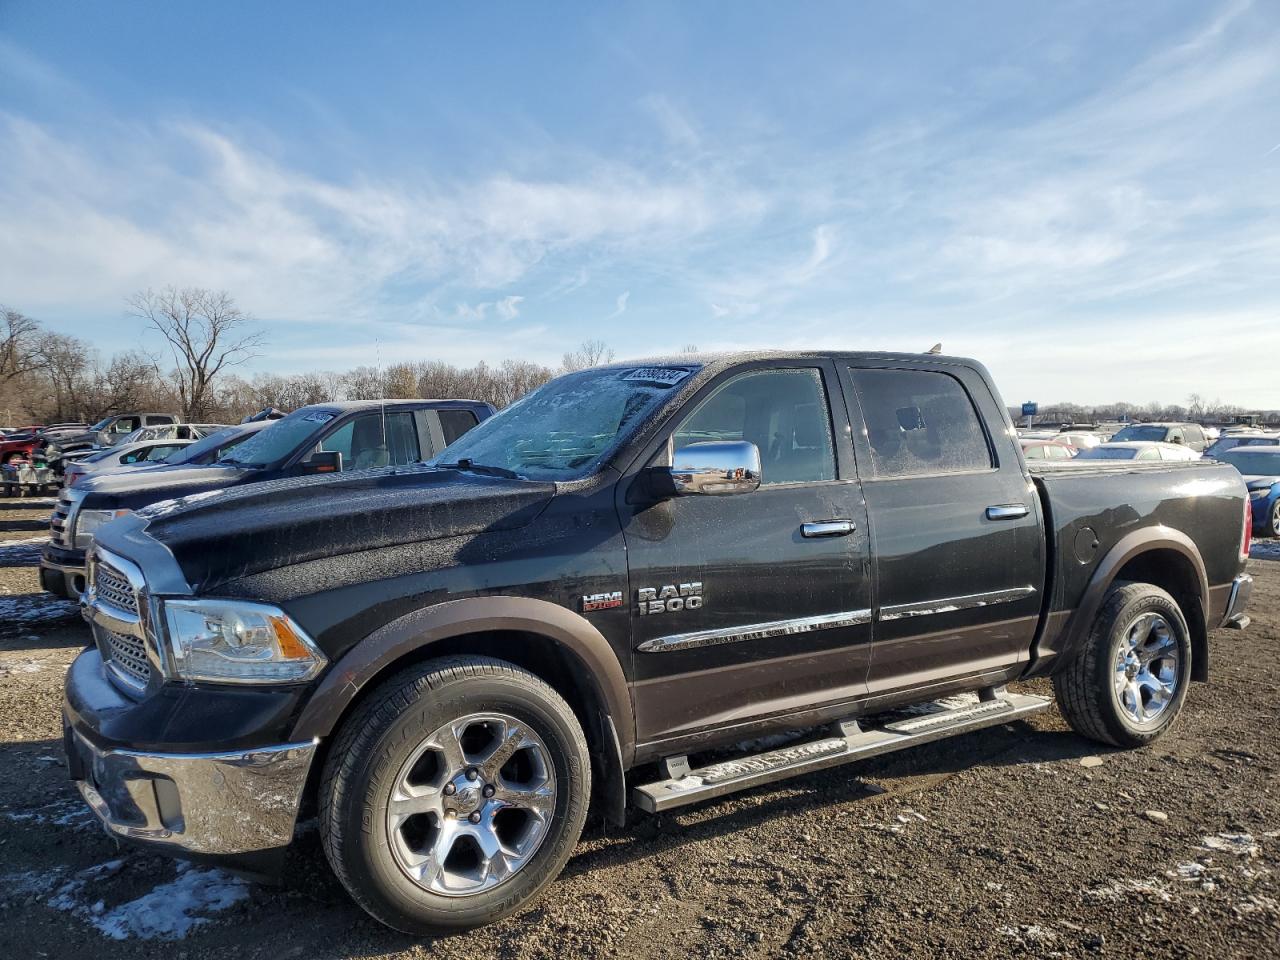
(669, 376)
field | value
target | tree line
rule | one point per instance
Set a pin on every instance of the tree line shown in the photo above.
(202, 337)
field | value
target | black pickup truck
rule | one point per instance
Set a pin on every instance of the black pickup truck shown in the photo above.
(596, 594)
(319, 439)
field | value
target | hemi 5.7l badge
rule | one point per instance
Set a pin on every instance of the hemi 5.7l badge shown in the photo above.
(601, 601)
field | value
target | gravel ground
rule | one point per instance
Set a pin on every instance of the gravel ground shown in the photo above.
(1019, 840)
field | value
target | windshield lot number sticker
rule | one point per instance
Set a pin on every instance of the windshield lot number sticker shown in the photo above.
(667, 376)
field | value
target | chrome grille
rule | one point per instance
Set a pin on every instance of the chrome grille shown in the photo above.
(113, 587)
(128, 655)
(60, 522)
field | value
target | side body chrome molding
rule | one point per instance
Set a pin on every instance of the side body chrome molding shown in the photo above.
(846, 618)
(950, 604)
(754, 631)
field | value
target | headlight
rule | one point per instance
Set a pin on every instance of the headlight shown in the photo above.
(230, 641)
(87, 523)
(1259, 494)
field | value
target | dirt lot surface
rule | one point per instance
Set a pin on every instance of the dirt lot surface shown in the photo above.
(1020, 840)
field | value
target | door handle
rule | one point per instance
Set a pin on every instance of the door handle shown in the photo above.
(1007, 511)
(828, 528)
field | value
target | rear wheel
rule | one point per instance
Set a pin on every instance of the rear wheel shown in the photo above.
(1128, 684)
(454, 794)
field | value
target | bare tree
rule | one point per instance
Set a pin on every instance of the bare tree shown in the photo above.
(590, 353)
(18, 334)
(206, 333)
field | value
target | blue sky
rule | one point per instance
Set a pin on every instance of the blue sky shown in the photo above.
(1083, 195)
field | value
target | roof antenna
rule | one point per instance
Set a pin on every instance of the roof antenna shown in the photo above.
(936, 349)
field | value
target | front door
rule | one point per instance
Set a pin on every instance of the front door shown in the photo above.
(757, 604)
(955, 526)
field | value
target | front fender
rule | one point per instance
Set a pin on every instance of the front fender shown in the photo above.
(414, 631)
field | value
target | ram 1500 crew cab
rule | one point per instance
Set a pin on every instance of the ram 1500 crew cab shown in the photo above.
(596, 593)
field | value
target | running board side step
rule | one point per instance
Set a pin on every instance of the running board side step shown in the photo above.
(685, 786)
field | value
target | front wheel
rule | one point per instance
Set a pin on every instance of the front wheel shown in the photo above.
(1128, 683)
(1274, 525)
(454, 794)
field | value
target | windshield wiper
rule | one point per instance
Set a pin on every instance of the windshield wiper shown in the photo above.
(471, 467)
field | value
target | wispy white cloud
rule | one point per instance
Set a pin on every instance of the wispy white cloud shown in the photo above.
(620, 306)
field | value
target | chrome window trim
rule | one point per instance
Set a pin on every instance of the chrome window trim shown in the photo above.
(902, 611)
(754, 631)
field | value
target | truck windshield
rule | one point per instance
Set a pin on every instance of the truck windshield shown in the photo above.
(219, 438)
(1141, 433)
(563, 429)
(273, 443)
(1253, 464)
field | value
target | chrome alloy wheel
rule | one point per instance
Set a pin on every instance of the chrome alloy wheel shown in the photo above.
(471, 805)
(1146, 668)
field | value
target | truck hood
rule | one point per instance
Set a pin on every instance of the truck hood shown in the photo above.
(221, 535)
(135, 489)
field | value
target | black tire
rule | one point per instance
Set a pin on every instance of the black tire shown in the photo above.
(369, 754)
(1086, 688)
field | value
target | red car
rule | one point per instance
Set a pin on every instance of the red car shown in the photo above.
(20, 445)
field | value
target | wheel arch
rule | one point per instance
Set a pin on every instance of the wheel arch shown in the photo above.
(556, 644)
(1165, 558)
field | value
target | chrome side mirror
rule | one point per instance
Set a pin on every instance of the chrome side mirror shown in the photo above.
(714, 468)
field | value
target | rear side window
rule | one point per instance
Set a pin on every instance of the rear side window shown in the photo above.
(1194, 433)
(455, 423)
(783, 412)
(919, 423)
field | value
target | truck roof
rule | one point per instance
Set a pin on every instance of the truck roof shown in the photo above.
(722, 358)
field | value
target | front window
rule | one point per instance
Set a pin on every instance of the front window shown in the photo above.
(783, 412)
(1141, 432)
(1253, 464)
(375, 440)
(565, 428)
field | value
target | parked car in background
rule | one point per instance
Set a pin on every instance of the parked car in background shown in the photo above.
(1046, 450)
(323, 438)
(1137, 450)
(109, 431)
(1190, 435)
(1081, 441)
(20, 445)
(120, 458)
(1229, 441)
(1260, 467)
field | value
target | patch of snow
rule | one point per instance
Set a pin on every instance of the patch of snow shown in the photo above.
(62, 813)
(33, 608)
(29, 883)
(1029, 934)
(170, 911)
(1240, 844)
(1118, 890)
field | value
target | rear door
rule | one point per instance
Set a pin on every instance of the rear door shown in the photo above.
(756, 604)
(955, 525)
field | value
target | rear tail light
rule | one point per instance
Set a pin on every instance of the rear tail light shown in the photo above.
(1246, 540)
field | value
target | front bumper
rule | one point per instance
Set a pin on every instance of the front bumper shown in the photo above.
(206, 774)
(210, 804)
(1237, 602)
(62, 571)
